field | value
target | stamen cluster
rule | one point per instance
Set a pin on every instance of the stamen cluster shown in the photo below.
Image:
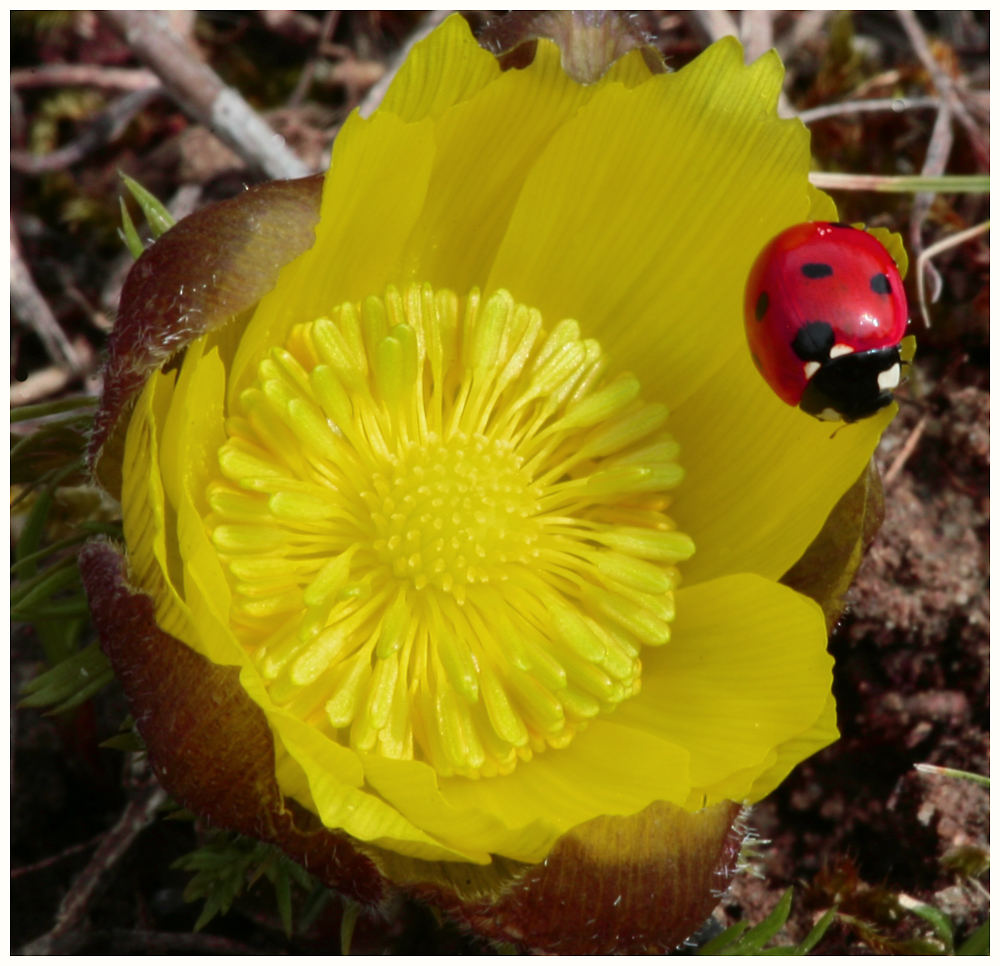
(445, 528)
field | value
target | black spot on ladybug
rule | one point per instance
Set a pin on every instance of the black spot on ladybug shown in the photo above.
(757, 362)
(880, 284)
(763, 301)
(817, 269)
(813, 342)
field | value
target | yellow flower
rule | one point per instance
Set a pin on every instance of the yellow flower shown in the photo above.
(484, 499)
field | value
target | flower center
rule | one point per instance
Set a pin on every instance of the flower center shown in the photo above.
(445, 529)
(454, 514)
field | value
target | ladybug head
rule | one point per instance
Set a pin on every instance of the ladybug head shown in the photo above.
(853, 386)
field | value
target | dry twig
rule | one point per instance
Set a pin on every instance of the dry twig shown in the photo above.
(894, 104)
(757, 32)
(924, 261)
(105, 127)
(945, 85)
(201, 92)
(906, 452)
(305, 80)
(52, 860)
(377, 91)
(29, 305)
(139, 813)
(84, 75)
(936, 161)
(48, 381)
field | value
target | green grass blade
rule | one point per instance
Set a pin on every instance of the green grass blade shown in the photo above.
(725, 938)
(128, 234)
(978, 944)
(155, 212)
(816, 933)
(22, 414)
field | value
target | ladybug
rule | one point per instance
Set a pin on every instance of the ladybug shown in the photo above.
(825, 313)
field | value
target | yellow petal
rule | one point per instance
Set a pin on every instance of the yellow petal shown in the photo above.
(372, 198)
(485, 145)
(445, 69)
(789, 753)
(645, 212)
(746, 673)
(154, 565)
(607, 770)
(761, 476)
(334, 789)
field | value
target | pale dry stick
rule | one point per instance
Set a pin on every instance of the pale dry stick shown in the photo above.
(923, 260)
(717, 24)
(938, 151)
(201, 92)
(138, 814)
(85, 75)
(945, 85)
(899, 184)
(377, 91)
(757, 32)
(52, 860)
(305, 80)
(906, 452)
(807, 25)
(29, 305)
(47, 382)
(293, 25)
(894, 104)
(104, 128)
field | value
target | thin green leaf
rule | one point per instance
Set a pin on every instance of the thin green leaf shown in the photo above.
(84, 694)
(33, 558)
(213, 906)
(313, 906)
(31, 536)
(45, 585)
(63, 684)
(971, 776)
(753, 940)
(56, 446)
(348, 920)
(938, 920)
(124, 741)
(22, 414)
(902, 184)
(283, 895)
(725, 938)
(128, 234)
(978, 944)
(816, 933)
(52, 610)
(157, 216)
(225, 866)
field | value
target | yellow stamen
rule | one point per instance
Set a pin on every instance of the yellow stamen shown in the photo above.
(445, 528)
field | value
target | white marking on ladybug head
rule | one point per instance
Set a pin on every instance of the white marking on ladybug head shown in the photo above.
(810, 369)
(889, 379)
(830, 415)
(840, 350)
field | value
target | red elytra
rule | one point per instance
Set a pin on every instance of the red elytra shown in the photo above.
(825, 312)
